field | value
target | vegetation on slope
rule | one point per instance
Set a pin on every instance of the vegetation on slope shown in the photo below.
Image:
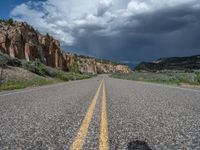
(45, 74)
(189, 63)
(19, 84)
(175, 78)
(7, 22)
(105, 61)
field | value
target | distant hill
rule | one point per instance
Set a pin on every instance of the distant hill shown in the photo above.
(171, 63)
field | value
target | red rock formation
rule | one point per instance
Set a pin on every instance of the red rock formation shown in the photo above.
(68, 60)
(22, 41)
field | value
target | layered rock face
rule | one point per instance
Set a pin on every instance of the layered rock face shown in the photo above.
(87, 65)
(20, 40)
(91, 65)
(110, 68)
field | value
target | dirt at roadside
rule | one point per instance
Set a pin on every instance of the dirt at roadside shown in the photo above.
(185, 85)
(16, 73)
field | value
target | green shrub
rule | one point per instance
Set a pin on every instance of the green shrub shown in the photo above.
(62, 76)
(168, 78)
(67, 76)
(74, 67)
(9, 21)
(14, 62)
(3, 59)
(35, 67)
(198, 77)
(2, 20)
(51, 72)
(7, 60)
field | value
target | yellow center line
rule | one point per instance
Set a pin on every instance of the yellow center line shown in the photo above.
(103, 142)
(79, 139)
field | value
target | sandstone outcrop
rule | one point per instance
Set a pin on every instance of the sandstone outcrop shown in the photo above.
(20, 40)
(87, 65)
(92, 65)
(110, 68)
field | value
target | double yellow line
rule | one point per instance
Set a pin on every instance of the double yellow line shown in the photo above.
(83, 130)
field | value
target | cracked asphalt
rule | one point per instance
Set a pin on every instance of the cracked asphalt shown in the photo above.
(49, 117)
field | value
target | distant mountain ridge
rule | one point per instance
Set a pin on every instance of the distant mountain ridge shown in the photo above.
(20, 40)
(171, 63)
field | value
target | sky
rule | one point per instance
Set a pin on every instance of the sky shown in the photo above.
(129, 31)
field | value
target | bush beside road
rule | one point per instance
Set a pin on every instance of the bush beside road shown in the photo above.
(172, 78)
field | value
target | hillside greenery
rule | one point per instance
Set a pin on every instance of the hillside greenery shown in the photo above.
(20, 84)
(101, 60)
(108, 61)
(74, 67)
(45, 74)
(175, 78)
(8, 21)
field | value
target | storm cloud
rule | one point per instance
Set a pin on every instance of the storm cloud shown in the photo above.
(128, 31)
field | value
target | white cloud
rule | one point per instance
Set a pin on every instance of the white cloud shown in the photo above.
(143, 6)
(103, 6)
(138, 7)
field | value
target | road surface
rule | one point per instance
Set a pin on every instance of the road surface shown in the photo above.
(100, 113)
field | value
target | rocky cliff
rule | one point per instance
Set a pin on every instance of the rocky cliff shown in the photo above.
(20, 40)
(173, 63)
(91, 65)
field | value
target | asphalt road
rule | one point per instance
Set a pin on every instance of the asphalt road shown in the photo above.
(100, 113)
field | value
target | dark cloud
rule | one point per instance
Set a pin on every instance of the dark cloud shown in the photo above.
(166, 32)
(167, 20)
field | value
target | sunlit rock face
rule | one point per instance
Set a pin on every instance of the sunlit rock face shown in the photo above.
(91, 65)
(110, 68)
(20, 40)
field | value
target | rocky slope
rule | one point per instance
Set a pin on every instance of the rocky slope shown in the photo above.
(20, 40)
(173, 63)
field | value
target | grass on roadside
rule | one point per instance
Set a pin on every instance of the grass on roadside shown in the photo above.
(174, 78)
(38, 81)
(19, 84)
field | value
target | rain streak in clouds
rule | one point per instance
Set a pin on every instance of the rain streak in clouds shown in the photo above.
(128, 30)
